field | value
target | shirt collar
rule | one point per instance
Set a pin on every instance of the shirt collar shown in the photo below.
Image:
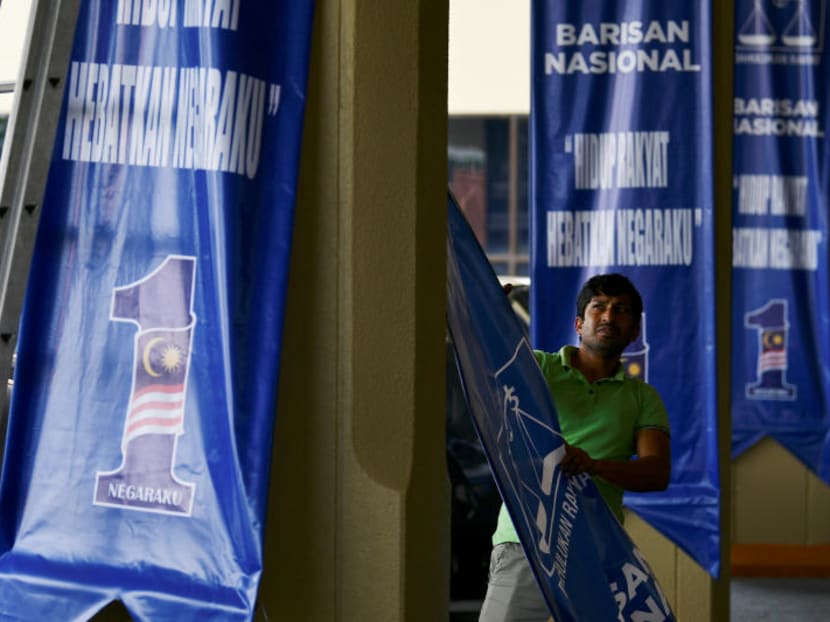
(565, 354)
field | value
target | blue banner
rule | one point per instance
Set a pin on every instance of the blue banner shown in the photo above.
(781, 283)
(586, 565)
(621, 181)
(138, 450)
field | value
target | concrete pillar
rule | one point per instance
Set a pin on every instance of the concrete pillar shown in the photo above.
(358, 525)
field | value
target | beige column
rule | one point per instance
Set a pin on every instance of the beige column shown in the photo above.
(358, 525)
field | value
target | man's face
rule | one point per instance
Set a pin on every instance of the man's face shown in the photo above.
(609, 325)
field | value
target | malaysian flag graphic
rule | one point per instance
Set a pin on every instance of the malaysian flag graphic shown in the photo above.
(157, 404)
(773, 351)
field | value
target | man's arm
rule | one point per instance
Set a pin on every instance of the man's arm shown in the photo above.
(650, 471)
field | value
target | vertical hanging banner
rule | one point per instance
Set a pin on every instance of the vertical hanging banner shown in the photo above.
(586, 566)
(139, 442)
(621, 181)
(781, 283)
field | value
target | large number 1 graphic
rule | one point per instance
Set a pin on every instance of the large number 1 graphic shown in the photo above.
(160, 305)
(772, 325)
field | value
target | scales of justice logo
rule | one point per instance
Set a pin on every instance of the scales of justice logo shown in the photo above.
(782, 25)
(530, 451)
(161, 306)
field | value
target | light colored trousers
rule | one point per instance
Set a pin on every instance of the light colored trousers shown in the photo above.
(512, 592)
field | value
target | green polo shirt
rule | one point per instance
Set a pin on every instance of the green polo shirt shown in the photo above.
(602, 418)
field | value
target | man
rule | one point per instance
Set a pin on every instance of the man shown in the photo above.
(606, 418)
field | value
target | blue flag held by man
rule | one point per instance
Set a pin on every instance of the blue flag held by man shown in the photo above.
(585, 565)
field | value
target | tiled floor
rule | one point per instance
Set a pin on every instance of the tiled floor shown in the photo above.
(781, 600)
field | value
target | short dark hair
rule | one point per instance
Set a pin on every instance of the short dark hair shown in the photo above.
(609, 285)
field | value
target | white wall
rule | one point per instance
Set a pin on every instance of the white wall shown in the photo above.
(489, 57)
(14, 19)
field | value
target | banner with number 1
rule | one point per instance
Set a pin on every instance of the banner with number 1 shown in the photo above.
(780, 230)
(139, 444)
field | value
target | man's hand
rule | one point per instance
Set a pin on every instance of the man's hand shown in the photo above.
(648, 472)
(577, 461)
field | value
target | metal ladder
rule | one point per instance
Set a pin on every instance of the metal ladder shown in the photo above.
(24, 163)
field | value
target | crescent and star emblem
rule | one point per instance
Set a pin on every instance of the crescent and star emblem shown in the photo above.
(772, 340)
(172, 357)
